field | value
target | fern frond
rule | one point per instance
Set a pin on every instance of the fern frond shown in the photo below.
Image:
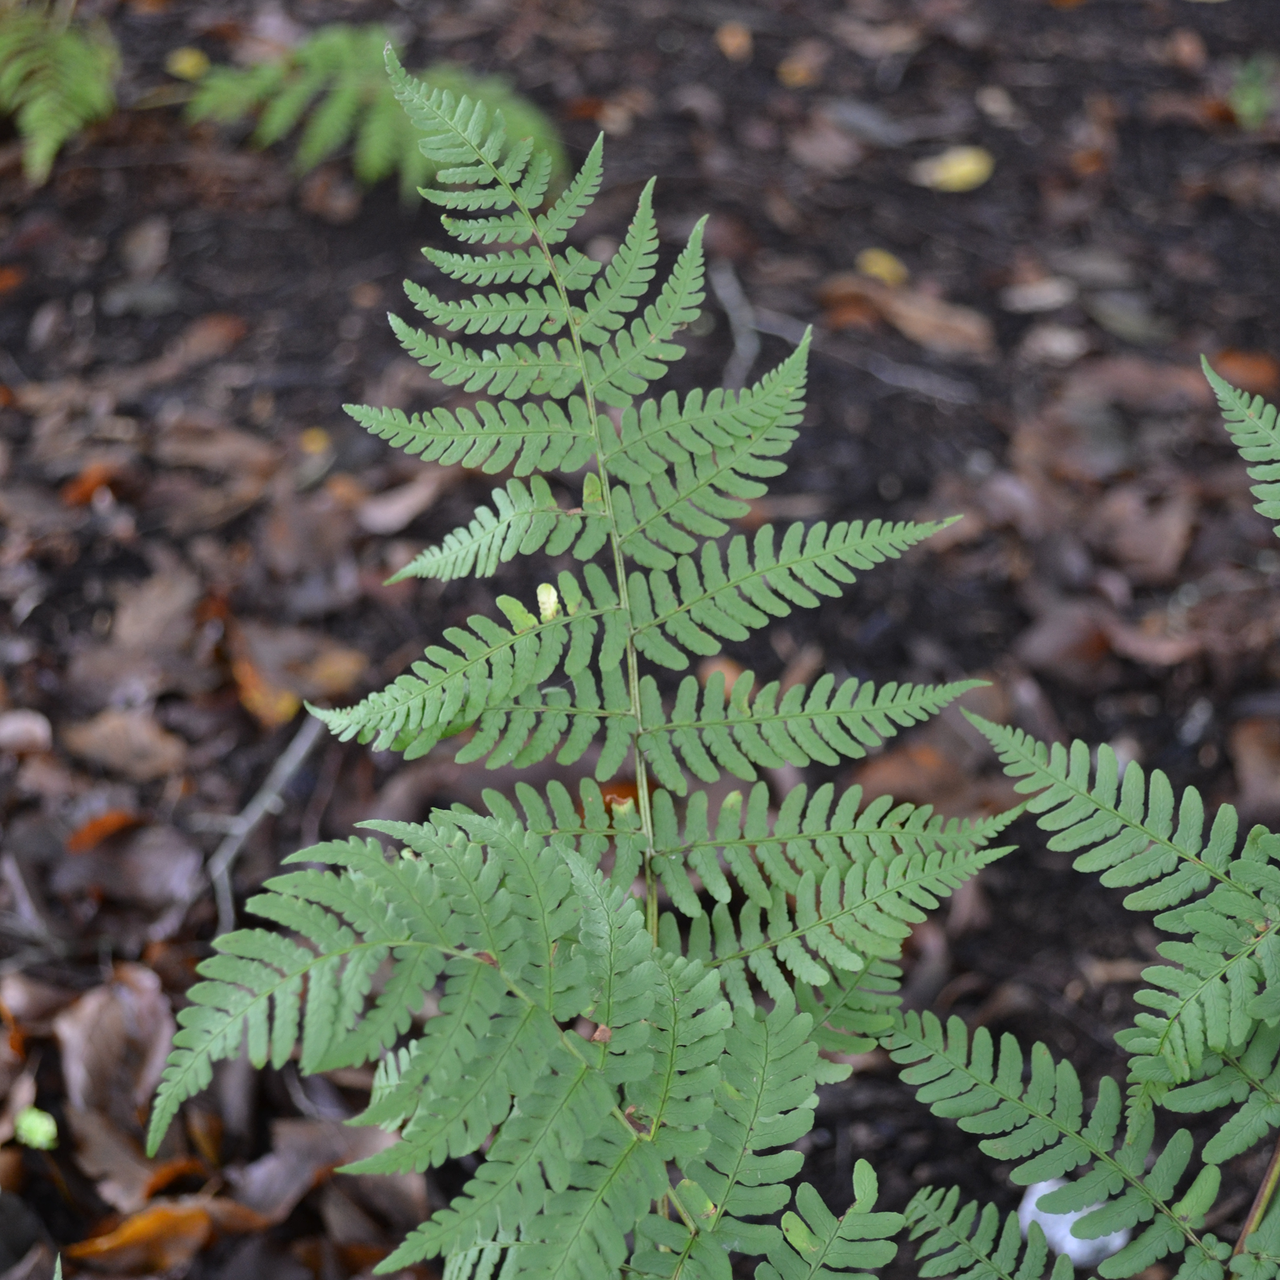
(765, 1100)
(1210, 1002)
(726, 598)
(721, 447)
(817, 1245)
(491, 437)
(841, 921)
(956, 1249)
(451, 689)
(334, 86)
(53, 82)
(1251, 1078)
(1040, 1123)
(797, 727)
(622, 368)
(1251, 422)
(524, 520)
(255, 982)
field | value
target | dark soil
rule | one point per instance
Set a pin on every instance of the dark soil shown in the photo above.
(1117, 139)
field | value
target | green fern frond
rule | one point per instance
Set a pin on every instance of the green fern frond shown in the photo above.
(841, 921)
(1252, 425)
(334, 86)
(451, 689)
(1040, 1122)
(524, 520)
(764, 1101)
(255, 984)
(1210, 1002)
(772, 729)
(957, 1249)
(817, 1245)
(718, 598)
(687, 471)
(53, 81)
(492, 437)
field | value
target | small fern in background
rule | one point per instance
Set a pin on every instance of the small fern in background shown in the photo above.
(633, 1000)
(54, 79)
(336, 81)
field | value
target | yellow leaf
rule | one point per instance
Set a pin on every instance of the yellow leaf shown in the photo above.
(187, 63)
(734, 41)
(882, 265)
(955, 169)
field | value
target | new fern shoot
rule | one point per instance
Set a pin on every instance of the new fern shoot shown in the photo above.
(635, 999)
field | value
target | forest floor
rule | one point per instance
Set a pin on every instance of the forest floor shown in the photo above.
(196, 537)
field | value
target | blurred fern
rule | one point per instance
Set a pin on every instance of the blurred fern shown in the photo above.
(55, 78)
(334, 86)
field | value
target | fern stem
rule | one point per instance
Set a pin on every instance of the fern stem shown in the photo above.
(1261, 1201)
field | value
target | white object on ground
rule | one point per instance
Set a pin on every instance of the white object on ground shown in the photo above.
(1057, 1228)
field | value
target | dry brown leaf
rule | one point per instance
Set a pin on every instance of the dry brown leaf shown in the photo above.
(1254, 747)
(824, 147)
(192, 438)
(164, 1236)
(276, 667)
(1148, 532)
(154, 868)
(157, 613)
(120, 1172)
(1069, 640)
(1252, 371)
(127, 742)
(948, 330)
(114, 1042)
(303, 1154)
(394, 509)
(877, 40)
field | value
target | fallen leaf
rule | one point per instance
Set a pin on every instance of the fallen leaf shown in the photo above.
(158, 612)
(824, 147)
(803, 66)
(162, 1237)
(734, 41)
(954, 170)
(303, 1154)
(1128, 314)
(1252, 371)
(948, 330)
(88, 835)
(11, 277)
(187, 63)
(1254, 747)
(275, 668)
(152, 868)
(192, 438)
(127, 742)
(114, 1042)
(1069, 641)
(331, 195)
(392, 510)
(880, 264)
(1148, 532)
(1050, 293)
(24, 732)
(79, 491)
(108, 1156)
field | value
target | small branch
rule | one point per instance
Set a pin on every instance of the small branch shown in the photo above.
(1260, 1202)
(266, 801)
(742, 323)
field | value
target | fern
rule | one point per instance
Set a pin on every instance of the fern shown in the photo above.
(54, 80)
(635, 1064)
(334, 87)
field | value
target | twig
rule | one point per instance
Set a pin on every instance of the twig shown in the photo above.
(742, 323)
(1260, 1202)
(266, 801)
